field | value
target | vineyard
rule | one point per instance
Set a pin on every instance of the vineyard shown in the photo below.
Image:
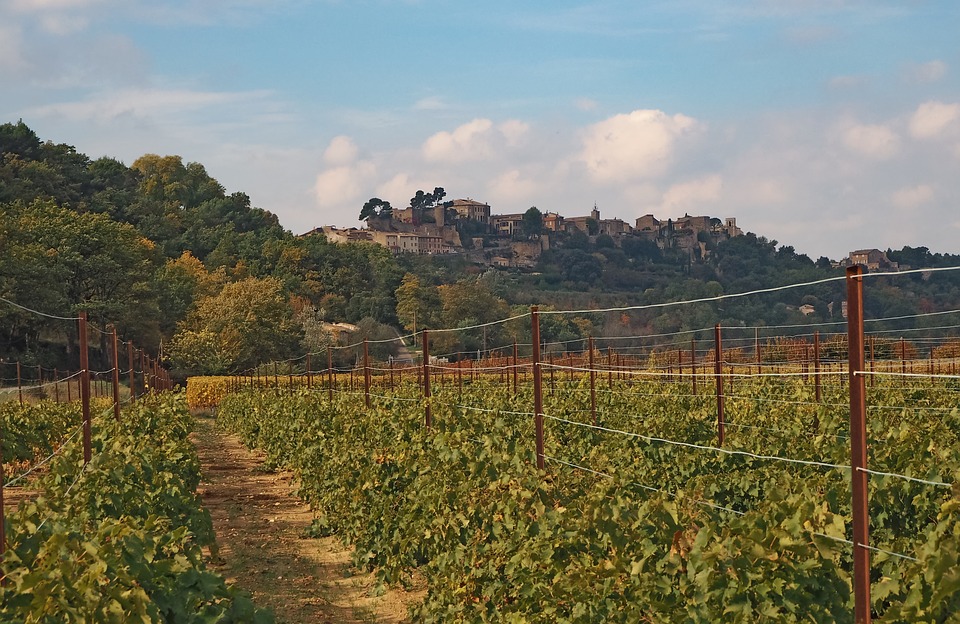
(624, 526)
(695, 476)
(115, 539)
(622, 491)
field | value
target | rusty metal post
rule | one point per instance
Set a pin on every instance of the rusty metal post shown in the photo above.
(903, 356)
(718, 372)
(816, 363)
(537, 384)
(593, 382)
(610, 367)
(427, 415)
(693, 364)
(858, 446)
(366, 373)
(116, 375)
(515, 372)
(85, 387)
(756, 346)
(459, 381)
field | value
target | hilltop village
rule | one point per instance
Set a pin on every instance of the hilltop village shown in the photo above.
(466, 226)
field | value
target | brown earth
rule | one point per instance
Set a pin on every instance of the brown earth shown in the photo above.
(260, 529)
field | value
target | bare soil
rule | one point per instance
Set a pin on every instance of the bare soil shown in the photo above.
(260, 527)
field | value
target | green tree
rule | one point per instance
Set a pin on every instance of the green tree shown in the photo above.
(532, 225)
(56, 260)
(418, 306)
(246, 323)
(376, 208)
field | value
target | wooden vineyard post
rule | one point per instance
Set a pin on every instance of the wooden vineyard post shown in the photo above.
(56, 385)
(366, 374)
(19, 384)
(718, 372)
(116, 375)
(309, 377)
(537, 384)
(693, 364)
(816, 364)
(593, 382)
(85, 387)
(610, 367)
(515, 371)
(903, 356)
(858, 446)
(756, 347)
(427, 415)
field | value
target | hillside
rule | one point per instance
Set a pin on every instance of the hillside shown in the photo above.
(161, 250)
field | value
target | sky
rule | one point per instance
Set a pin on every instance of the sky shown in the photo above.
(826, 125)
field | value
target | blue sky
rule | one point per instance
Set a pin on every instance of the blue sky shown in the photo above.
(828, 125)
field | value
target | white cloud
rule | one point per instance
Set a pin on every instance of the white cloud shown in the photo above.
(431, 103)
(400, 188)
(873, 141)
(926, 72)
(585, 104)
(11, 48)
(639, 144)
(344, 185)
(37, 6)
(62, 24)
(693, 194)
(912, 197)
(514, 131)
(471, 141)
(143, 103)
(476, 140)
(932, 118)
(341, 151)
(511, 186)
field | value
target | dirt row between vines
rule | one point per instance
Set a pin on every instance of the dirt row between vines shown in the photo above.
(260, 529)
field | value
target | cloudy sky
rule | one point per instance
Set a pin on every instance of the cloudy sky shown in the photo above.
(828, 125)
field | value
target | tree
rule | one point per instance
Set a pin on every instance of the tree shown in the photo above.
(418, 306)
(246, 323)
(532, 225)
(423, 201)
(376, 208)
(58, 260)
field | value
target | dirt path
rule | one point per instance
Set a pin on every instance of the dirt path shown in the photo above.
(259, 527)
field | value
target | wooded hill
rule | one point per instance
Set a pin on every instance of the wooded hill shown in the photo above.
(161, 250)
